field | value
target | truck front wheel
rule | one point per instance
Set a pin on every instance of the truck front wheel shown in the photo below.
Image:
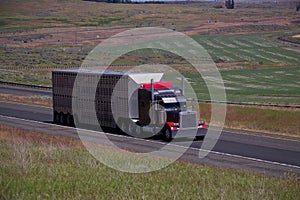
(167, 134)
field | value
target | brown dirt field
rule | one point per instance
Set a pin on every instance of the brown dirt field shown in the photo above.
(94, 35)
(60, 36)
(35, 14)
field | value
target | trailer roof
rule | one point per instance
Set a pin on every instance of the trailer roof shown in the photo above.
(138, 77)
(88, 71)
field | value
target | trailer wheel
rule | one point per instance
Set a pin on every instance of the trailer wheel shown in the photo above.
(62, 119)
(69, 120)
(167, 134)
(55, 118)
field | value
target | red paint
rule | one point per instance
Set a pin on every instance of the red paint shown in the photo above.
(172, 127)
(157, 85)
(170, 124)
(202, 124)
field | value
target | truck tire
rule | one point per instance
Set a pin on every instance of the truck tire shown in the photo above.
(62, 119)
(167, 134)
(55, 118)
(69, 120)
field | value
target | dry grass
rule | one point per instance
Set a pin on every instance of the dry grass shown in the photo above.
(25, 136)
(37, 100)
(57, 170)
(281, 121)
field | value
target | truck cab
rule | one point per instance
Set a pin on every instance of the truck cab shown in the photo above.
(163, 110)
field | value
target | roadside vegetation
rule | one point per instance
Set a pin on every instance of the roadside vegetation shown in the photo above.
(25, 99)
(34, 14)
(282, 121)
(37, 166)
(271, 85)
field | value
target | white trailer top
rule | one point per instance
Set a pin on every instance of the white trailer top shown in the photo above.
(138, 77)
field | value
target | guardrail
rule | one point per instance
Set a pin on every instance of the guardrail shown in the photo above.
(44, 87)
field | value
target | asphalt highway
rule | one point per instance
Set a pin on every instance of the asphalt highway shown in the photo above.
(245, 144)
(5, 89)
(235, 148)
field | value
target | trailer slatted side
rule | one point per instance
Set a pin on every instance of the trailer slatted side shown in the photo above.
(113, 90)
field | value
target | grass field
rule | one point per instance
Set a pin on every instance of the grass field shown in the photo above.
(37, 100)
(272, 85)
(281, 121)
(255, 66)
(261, 49)
(36, 166)
(34, 14)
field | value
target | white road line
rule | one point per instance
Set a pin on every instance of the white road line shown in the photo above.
(157, 142)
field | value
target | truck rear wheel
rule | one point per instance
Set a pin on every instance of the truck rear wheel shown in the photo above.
(167, 134)
(69, 120)
(62, 119)
(56, 118)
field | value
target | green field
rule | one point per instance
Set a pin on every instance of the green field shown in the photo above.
(243, 43)
(282, 121)
(257, 69)
(274, 85)
(262, 49)
(254, 68)
(54, 169)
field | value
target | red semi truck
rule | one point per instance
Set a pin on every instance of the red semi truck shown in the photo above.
(139, 104)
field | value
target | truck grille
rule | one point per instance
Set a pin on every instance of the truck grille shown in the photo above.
(188, 119)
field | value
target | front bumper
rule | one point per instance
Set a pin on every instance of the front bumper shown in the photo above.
(189, 133)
